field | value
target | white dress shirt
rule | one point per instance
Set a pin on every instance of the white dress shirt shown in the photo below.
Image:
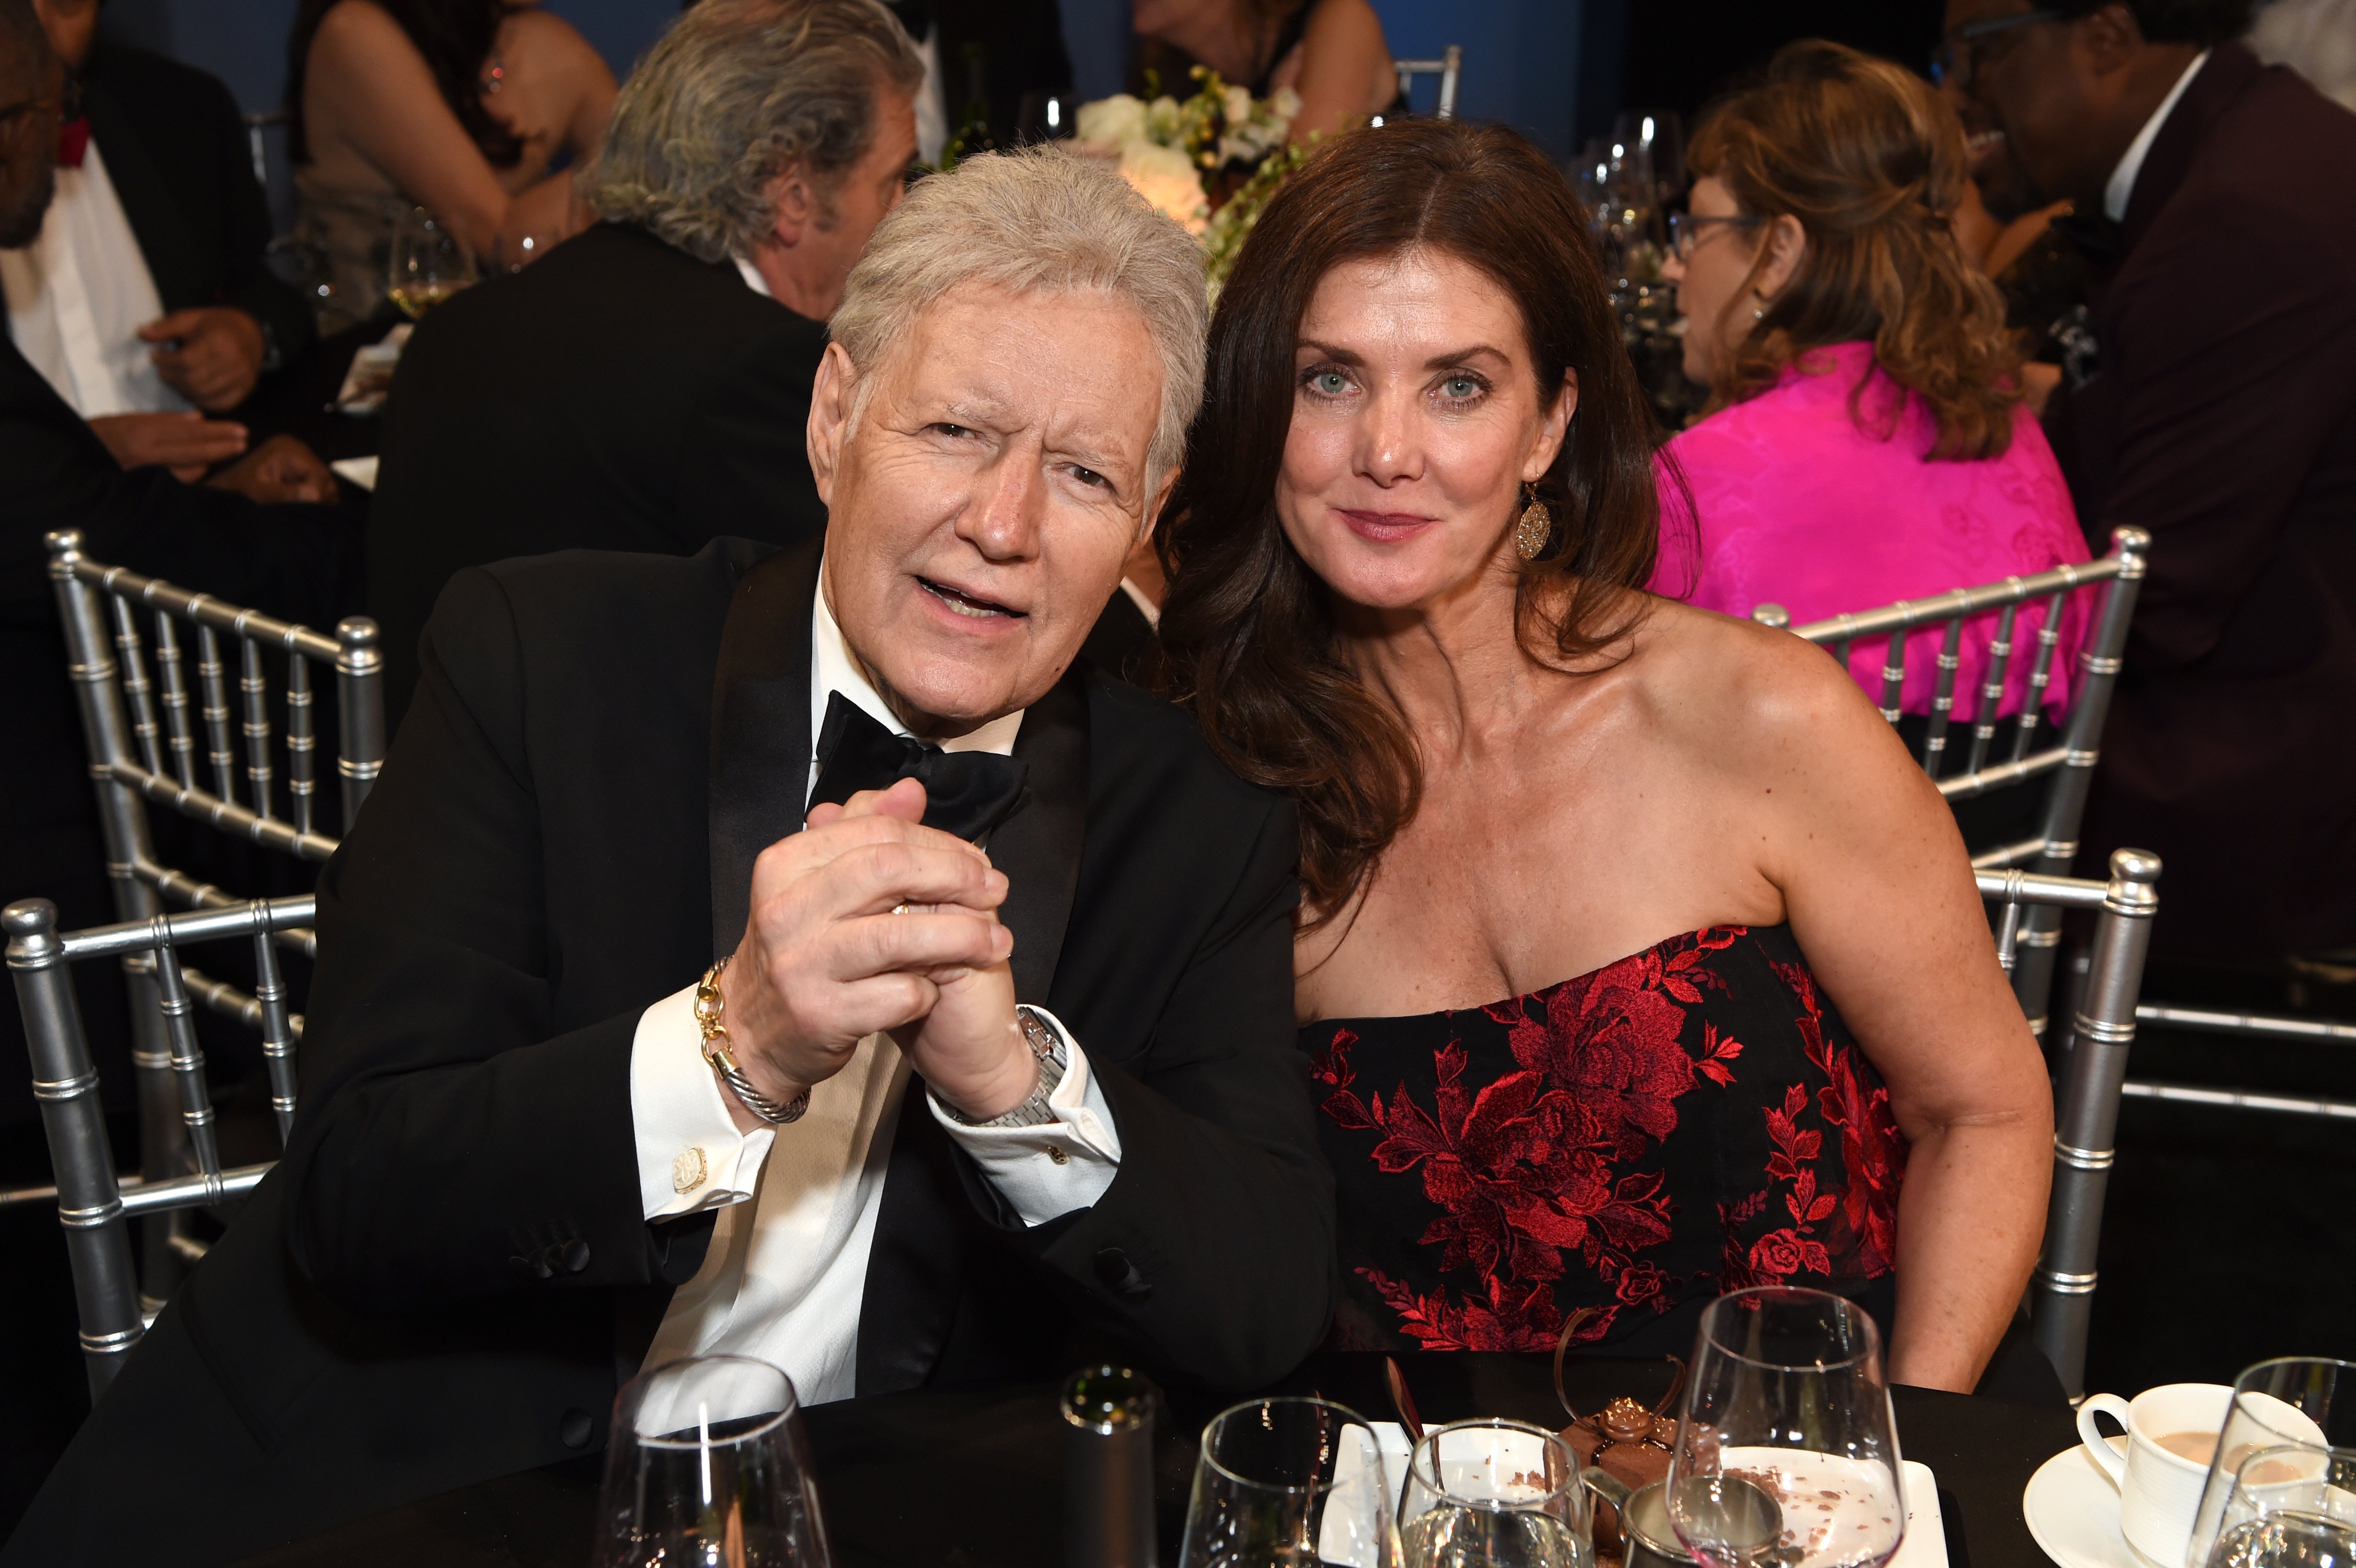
(783, 1279)
(2122, 182)
(78, 295)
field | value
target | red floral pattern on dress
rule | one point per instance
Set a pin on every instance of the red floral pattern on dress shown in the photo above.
(1547, 1188)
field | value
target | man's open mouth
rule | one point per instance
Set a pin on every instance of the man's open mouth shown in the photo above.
(968, 604)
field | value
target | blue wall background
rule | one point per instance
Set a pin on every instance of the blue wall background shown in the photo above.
(1522, 58)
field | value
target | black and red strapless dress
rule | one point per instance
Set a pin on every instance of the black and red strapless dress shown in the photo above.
(1689, 1120)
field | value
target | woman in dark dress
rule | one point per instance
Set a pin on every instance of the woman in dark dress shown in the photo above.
(1637, 961)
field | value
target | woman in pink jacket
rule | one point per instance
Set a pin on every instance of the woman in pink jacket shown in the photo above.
(1865, 439)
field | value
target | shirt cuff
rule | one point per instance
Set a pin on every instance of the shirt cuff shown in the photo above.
(690, 1156)
(1052, 1169)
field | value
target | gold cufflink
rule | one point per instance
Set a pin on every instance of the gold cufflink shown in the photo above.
(1058, 1156)
(687, 1172)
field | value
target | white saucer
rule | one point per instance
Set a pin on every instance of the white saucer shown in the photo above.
(2073, 1512)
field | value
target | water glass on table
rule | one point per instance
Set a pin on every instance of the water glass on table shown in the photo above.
(1787, 1454)
(1499, 1494)
(1290, 1483)
(2289, 1506)
(707, 1467)
(2290, 1400)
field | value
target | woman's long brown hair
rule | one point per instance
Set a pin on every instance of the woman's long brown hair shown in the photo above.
(1871, 162)
(1248, 632)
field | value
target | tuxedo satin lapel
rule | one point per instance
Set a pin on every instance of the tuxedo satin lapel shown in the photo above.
(1039, 846)
(147, 200)
(2230, 68)
(760, 728)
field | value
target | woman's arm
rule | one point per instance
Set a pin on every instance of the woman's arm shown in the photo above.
(1881, 900)
(392, 113)
(1346, 67)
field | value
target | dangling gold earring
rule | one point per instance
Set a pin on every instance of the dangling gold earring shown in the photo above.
(1537, 527)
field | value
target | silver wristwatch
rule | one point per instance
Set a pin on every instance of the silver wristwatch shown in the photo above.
(1047, 1046)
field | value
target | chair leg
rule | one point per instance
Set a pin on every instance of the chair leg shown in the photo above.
(89, 1205)
(2061, 1290)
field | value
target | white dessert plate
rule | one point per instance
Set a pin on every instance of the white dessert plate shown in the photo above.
(1925, 1545)
(2072, 1511)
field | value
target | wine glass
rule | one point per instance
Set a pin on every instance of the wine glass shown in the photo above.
(1499, 1494)
(428, 265)
(1786, 1455)
(2289, 1506)
(1290, 1483)
(707, 1467)
(2289, 1400)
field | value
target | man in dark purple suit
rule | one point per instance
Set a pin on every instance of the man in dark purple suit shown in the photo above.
(2219, 412)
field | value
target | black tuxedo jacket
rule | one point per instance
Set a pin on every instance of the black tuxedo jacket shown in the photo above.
(176, 152)
(447, 1273)
(617, 394)
(2223, 420)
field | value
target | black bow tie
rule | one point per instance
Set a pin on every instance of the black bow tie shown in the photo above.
(966, 793)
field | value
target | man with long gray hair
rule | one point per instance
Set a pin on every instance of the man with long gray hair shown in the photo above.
(644, 386)
(802, 955)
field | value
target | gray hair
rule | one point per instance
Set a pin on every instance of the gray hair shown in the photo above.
(1040, 220)
(737, 92)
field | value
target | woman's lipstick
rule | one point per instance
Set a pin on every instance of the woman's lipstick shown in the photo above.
(1385, 527)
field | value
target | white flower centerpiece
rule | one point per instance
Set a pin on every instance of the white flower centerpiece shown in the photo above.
(1209, 162)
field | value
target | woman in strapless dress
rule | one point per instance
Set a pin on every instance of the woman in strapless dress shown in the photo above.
(1636, 960)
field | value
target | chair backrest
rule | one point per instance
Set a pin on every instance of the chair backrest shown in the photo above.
(2086, 1116)
(1446, 68)
(1989, 762)
(94, 1204)
(143, 733)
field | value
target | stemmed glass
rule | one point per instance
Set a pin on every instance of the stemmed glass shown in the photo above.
(428, 265)
(2292, 1400)
(1787, 1455)
(1289, 1483)
(707, 1467)
(2289, 1506)
(1499, 1494)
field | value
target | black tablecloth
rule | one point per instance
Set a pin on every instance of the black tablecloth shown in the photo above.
(974, 1478)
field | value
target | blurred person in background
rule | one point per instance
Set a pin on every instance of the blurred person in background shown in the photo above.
(1865, 439)
(1331, 52)
(478, 111)
(2315, 39)
(645, 388)
(144, 298)
(2214, 404)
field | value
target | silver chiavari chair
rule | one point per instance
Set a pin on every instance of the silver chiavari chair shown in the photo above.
(2086, 1128)
(1964, 726)
(1447, 67)
(144, 724)
(93, 1204)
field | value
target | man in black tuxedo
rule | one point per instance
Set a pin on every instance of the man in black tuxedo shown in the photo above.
(2221, 416)
(609, 1060)
(643, 388)
(174, 309)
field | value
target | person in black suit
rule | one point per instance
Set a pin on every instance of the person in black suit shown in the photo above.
(2215, 405)
(172, 222)
(1003, 1112)
(644, 387)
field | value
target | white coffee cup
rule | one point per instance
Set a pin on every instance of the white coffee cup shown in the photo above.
(2160, 1490)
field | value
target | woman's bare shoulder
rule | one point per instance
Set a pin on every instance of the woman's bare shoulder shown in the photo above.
(1730, 688)
(533, 40)
(357, 34)
(1348, 27)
